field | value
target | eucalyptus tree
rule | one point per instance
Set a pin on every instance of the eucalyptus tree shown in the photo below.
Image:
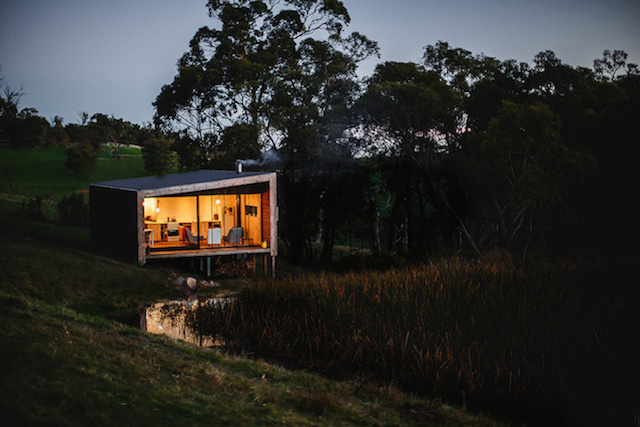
(261, 74)
(112, 132)
(607, 67)
(157, 155)
(409, 117)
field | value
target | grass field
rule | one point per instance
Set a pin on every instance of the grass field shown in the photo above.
(70, 355)
(41, 171)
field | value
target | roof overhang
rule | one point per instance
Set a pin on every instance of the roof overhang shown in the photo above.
(188, 182)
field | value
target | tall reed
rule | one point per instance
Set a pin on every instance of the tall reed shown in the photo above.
(483, 330)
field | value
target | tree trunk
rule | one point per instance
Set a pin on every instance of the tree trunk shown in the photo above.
(405, 232)
(327, 247)
(377, 245)
(393, 228)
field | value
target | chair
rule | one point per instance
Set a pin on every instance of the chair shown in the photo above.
(190, 237)
(234, 236)
(148, 234)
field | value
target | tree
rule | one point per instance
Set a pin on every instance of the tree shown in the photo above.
(251, 74)
(112, 132)
(192, 155)
(607, 67)
(58, 136)
(409, 115)
(508, 81)
(80, 156)
(9, 100)
(157, 155)
(23, 128)
(29, 129)
(521, 170)
(457, 66)
(238, 141)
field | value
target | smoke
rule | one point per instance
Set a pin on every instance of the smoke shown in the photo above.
(270, 159)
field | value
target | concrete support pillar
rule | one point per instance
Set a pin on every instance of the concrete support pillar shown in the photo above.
(264, 264)
(208, 266)
(273, 267)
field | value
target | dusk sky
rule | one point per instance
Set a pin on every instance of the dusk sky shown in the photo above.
(113, 57)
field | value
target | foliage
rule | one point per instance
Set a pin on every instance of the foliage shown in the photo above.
(507, 338)
(29, 130)
(262, 80)
(73, 210)
(58, 135)
(157, 155)
(544, 202)
(608, 66)
(521, 168)
(81, 156)
(191, 155)
(409, 117)
(35, 208)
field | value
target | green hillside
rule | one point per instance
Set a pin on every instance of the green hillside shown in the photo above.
(41, 171)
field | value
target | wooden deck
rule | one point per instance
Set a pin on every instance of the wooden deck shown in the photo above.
(173, 251)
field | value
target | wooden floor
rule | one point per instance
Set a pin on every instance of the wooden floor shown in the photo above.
(184, 250)
(162, 245)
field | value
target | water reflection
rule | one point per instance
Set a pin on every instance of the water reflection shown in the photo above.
(169, 318)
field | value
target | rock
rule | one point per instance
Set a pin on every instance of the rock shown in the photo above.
(180, 281)
(192, 283)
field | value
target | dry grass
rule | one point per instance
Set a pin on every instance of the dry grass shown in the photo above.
(530, 342)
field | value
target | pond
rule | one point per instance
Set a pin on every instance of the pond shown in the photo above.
(169, 318)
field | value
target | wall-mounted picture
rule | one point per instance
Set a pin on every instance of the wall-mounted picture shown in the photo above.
(251, 210)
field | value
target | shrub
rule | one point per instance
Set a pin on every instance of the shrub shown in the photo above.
(157, 154)
(80, 156)
(35, 208)
(73, 210)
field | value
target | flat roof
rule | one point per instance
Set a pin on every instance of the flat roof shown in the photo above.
(146, 183)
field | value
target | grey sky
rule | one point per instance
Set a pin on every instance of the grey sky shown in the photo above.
(113, 57)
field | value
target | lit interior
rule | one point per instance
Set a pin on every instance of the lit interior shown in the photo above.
(211, 221)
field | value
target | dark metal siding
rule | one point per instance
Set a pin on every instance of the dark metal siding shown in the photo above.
(114, 221)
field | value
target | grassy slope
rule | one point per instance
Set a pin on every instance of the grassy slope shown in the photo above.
(40, 171)
(67, 360)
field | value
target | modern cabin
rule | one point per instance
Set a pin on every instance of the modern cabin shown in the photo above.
(196, 214)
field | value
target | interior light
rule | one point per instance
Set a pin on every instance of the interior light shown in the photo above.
(217, 201)
(157, 210)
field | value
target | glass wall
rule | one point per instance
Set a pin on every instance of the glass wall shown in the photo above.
(184, 222)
